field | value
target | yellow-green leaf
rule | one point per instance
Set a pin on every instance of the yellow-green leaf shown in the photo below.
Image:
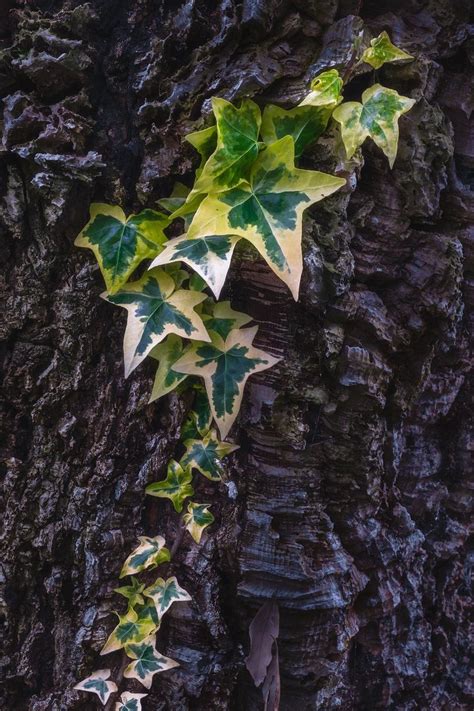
(97, 683)
(197, 518)
(268, 210)
(222, 319)
(176, 487)
(155, 309)
(304, 124)
(167, 379)
(147, 661)
(376, 117)
(149, 553)
(325, 90)
(164, 593)
(121, 243)
(381, 50)
(205, 455)
(130, 702)
(130, 629)
(225, 367)
(205, 142)
(176, 199)
(132, 592)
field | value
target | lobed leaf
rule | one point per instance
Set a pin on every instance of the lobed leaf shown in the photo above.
(164, 593)
(197, 518)
(147, 661)
(325, 90)
(381, 50)
(222, 318)
(205, 455)
(205, 142)
(130, 702)
(97, 683)
(167, 379)
(150, 553)
(130, 629)
(132, 592)
(305, 124)
(176, 487)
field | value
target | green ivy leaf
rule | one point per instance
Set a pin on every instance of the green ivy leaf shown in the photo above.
(197, 518)
(209, 256)
(177, 198)
(164, 593)
(148, 661)
(176, 487)
(121, 243)
(268, 211)
(381, 50)
(199, 418)
(150, 553)
(376, 117)
(305, 124)
(130, 702)
(225, 367)
(325, 90)
(167, 379)
(97, 683)
(205, 455)
(156, 309)
(132, 592)
(129, 630)
(222, 319)
(205, 142)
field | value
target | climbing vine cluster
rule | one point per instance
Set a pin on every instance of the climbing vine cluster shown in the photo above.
(246, 188)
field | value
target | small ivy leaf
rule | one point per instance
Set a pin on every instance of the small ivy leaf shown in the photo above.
(325, 90)
(164, 593)
(197, 519)
(205, 455)
(236, 149)
(205, 142)
(222, 319)
(225, 367)
(121, 243)
(176, 487)
(196, 282)
(167, 379)
(199, 418)
(209, 256)
(132, 592)
(130, 702)
(305, 124)
(381, 50)
(268, 211)
(155, 309)
(130, 629)
(376, 117)
(97, 683)
(148, 661)
(150, 553)
(176, 199)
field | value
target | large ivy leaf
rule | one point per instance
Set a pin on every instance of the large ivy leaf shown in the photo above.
(197, 518)
(164, 593)
(325, 90)
(209, 256)
(268, 210)
(376, 117)
(199, 418)
(222, 319)
(130, 629)
(97, 683)
(167, 379)
(176, 487)
(205, 455)
(381, 50)
(155, 309)
(150, 553)
(225, 367)
(132, 592)
(121, 243)
(147, 661)
(130, 702)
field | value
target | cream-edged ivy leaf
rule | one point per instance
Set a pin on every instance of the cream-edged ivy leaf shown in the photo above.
(199, 419)
(197, 518)
(376, 117)
(381, 50)
(325, 90)
(97, 683)
(268, 211)
(130, 702)
(121, 243)
(132, 592)
(149, 553)
(225, 367)
(164, 593)
(205, 455)
(222, 319)
(305, 124)
(209, 256)
(155, 309)
(167, 379)
(147, 661)
(130, 629)
(176, 487)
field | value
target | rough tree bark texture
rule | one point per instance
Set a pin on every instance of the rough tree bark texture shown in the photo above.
(352, 478)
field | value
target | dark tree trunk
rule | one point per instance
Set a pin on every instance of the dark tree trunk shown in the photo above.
(352, 477)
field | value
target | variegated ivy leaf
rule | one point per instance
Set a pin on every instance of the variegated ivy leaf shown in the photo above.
(199, 419)
(209, 256)
(222, 319)
(132, 592)
(225, 367)
(130, 629)
(205, 142)
(164, 593)
(150, 553)
(130, 702)
(155, 309)
(148, 661)
(97, 683)
(236, 149)
(176, 199)
(176, 487)
(376, 117)
(197, 518)
(167, 379)
(268, 211)
(381, 50)
(205, 455)
(121, 243)
(325, 90)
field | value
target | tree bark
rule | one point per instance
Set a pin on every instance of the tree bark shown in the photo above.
(348, 502)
